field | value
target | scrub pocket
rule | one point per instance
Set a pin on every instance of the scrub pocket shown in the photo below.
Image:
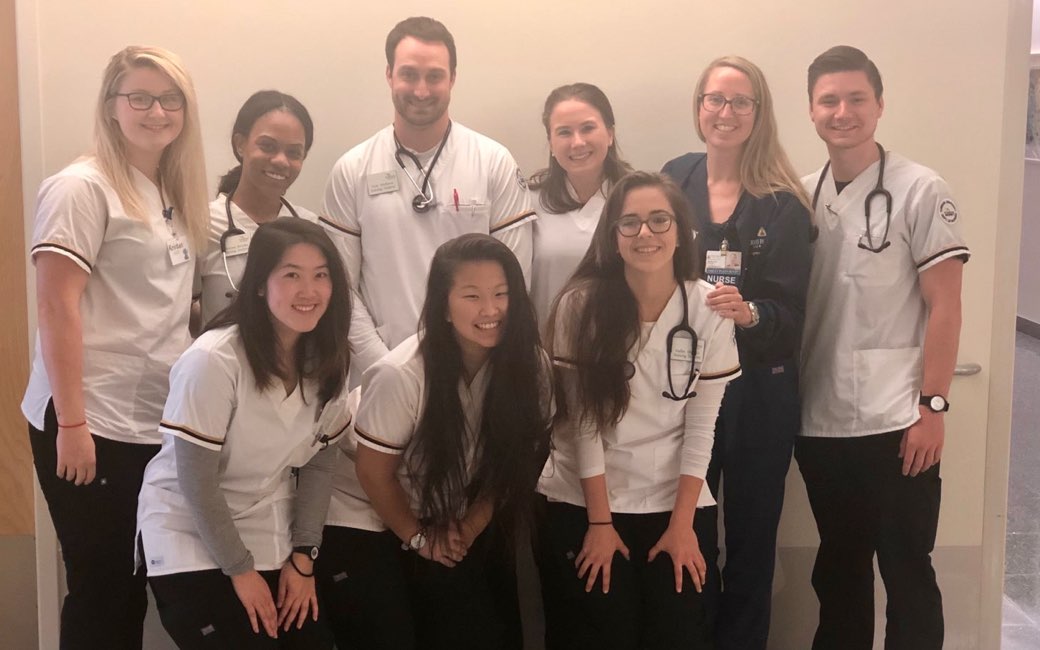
(883, 380)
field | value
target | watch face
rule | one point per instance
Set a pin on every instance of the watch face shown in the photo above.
(314, 552)
(937, 403)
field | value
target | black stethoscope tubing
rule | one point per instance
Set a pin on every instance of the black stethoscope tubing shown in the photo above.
(878, 191)
(423, 201)
(629, 369)
(233, 230)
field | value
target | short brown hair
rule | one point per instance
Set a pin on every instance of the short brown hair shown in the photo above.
(844, 58)
(423, 29)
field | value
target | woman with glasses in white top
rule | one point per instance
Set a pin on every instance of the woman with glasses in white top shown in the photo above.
(114, 245)
(642, 363)
(753, 234)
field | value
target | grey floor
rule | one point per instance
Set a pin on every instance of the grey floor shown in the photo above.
(1022, 562)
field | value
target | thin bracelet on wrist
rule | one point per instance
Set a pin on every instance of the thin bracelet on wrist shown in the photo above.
(72, 426)
(602, 523)
(297, 569)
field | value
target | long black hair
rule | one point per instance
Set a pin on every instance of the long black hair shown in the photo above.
(551, 182)
(599, 316)
(259, 104)
(512, 443)
(321, 354)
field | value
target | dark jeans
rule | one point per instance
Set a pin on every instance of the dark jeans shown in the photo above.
(642, 611)
(96, 524)
(201, 611)
(864, 505)
(381, 597)
(754, 438)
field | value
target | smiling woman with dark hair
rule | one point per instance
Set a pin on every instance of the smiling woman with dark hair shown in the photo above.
(451, 432)
(270, 139)
(232, 507)
(642, 363)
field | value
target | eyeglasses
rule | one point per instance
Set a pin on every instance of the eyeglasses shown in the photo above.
(715, 102)
(144, 101)
(658, 223)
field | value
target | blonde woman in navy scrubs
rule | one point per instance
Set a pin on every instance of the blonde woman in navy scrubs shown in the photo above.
(643, 364)
(114, 246)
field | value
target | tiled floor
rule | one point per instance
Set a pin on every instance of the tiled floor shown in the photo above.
(1022, 560)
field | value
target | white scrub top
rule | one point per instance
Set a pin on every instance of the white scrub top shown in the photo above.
(864, 325)
(392, 399)
(261, 436)
(134, 308)
(657, 438)
(560, 241)
(387, 246)
(214, 288)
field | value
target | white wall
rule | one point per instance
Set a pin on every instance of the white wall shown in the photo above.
(951, 90)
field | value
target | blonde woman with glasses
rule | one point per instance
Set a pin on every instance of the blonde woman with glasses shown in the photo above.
(113, 244)
(753, 230)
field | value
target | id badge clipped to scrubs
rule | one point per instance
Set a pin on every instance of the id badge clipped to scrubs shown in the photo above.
(177, 250)
(237, 245)
(722, 266)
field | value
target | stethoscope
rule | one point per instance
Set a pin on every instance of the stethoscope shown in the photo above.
(424, 200)
(684, 330)
(879, 190)
(232, 231)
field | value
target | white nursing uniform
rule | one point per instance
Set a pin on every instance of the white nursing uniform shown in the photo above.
(260, 435)
(657, 438)
(214, 291)
(134, 308)
(391, 403)
(387, 246)
(560, 242)
(864, 325)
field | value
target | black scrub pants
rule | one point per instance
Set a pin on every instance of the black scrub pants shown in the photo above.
(380, 597)
(201, 611)
(642, 611)
(754, 437)
(96, 525)
(864, 506)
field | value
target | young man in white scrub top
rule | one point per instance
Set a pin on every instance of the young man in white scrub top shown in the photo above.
(393, 199)
(881, 335)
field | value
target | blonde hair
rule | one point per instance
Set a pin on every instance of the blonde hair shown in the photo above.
(182, 168)
(764, 166)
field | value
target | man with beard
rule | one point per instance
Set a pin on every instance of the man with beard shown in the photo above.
(393, 199)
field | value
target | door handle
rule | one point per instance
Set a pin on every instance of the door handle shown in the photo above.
(966, 369)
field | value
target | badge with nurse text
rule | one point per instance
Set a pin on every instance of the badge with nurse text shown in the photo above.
(722, 266)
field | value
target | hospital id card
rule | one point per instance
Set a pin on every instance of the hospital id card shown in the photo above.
(177, 250)
(382, 183)
(237, 245)
(722, 266)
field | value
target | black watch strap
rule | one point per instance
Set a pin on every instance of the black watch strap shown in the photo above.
(935, 403)
(309, 551)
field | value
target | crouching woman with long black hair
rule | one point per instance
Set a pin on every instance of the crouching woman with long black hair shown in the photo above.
(451, 432)
(232, 507)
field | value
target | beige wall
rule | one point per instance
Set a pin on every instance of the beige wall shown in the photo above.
(954, 75)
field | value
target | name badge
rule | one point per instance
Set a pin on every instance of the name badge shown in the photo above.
(237, 245)
(177, 251)
(382, 183)
(682, 349)
(722, 266)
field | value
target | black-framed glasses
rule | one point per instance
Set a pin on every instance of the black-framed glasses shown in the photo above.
(144, 101)
(715, 102)
(658, 223)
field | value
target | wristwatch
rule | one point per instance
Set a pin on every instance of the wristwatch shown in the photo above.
(309, 551)
(935, 403)
(754, 315)
(417, 541)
